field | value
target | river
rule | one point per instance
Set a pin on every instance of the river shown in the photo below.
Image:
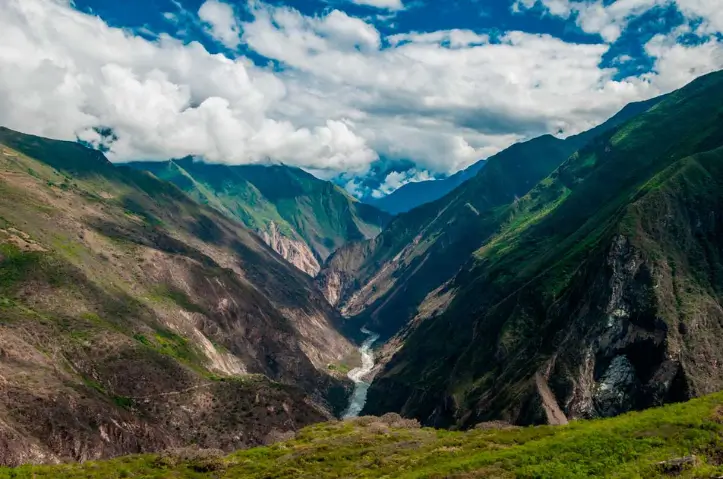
(361, 387)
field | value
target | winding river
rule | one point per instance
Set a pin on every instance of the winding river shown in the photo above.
(361, 387)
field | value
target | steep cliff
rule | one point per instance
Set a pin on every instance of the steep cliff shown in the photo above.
(600, 293)
(133, 319)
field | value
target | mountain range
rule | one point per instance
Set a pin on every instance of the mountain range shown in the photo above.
(301, 217)
(582, 280)
(157, 305)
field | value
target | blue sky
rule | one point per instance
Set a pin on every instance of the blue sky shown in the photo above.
(373, 93)
(481, 16)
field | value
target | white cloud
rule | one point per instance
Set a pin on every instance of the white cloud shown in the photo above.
(397, 179)
(221, 22)
(343, 95)
(604, 18)
(443, 99)
(677, 64)
(383, 4)
(63, 72)
(609, 20)
(454, 38)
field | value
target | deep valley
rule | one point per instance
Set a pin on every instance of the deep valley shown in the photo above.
(554, 310)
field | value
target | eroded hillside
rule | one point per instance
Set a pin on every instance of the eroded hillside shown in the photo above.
(132, 319)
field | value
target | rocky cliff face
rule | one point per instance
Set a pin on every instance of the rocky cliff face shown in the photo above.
(133, 319)
(599, 294)
(295, 252)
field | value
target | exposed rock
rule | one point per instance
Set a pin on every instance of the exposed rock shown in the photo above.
(331, 285)
(295, 252)
(553, 413)
(613, 393)
(495, 425)
(678, 465)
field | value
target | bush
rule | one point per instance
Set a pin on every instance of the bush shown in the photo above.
(199, 460)
(396, 421)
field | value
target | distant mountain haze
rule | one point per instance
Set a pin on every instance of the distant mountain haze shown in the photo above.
(415, 194)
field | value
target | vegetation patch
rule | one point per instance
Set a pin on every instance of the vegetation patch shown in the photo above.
(16, 265)
(684, 438)
(166, 293)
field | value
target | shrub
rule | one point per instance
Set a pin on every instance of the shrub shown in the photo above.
(196, 459)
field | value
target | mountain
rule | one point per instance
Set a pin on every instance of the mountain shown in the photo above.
(680, 440)
(383, 281)
(133, 319)
(596, 293)
(413, 195)
(416, 194)
(301, 217)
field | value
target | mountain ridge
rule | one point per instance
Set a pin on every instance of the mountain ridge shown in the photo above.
(301, 217)
(415, 194)
(584, 285)
(391, 275)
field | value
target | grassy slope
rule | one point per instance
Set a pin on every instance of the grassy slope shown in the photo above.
(539, 288)
(302, 206)
(628, 446)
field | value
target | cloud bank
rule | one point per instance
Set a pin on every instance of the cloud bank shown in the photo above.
(337, 93)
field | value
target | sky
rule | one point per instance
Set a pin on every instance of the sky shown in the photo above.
(371, 93)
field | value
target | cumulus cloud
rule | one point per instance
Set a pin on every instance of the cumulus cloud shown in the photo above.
(64, 73)
(397, 179)
(442, 99)
(221, 23)
(609, 20)
(677, 64)
(340, 93)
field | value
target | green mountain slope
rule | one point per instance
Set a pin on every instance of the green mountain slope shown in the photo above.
(682, 440)
(133, 319)
(303, 218)
(600, 293)
(383, 281)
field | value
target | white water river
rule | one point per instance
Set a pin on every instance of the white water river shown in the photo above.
(361, 387)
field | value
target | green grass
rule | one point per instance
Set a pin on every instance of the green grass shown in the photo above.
(628, 446)
(16, 265)
(165, 294)
(175, 346)
(342, 368)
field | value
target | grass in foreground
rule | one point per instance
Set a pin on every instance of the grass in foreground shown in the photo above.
(629, 446)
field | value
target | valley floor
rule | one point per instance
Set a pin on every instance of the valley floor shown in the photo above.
(681, 440)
